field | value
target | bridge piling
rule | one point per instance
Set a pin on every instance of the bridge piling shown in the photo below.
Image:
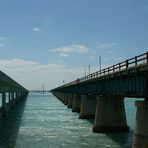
(125, 79)
(3, 104)
(88, 106)
(9, 94)
(110, 115)
(76, 103)
(66, 98)
(140, 138)
(70, 101)
(12, 100)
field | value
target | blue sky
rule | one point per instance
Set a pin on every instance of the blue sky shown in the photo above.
(46, 41)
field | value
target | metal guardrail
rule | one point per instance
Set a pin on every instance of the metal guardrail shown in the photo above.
(133, 62)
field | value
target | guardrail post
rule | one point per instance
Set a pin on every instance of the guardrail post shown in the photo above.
(135, 61)
(119, 66)
(126, 64)
(113, 68)
(108, 70)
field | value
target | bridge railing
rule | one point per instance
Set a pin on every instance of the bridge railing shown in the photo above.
(133, 62)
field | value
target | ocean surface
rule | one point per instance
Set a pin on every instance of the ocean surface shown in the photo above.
(42, 121)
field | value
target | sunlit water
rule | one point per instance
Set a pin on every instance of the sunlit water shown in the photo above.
(42, 121)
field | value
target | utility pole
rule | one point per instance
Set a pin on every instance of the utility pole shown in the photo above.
(85, 71)
(100, 62)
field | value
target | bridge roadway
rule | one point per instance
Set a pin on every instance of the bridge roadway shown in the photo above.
(12, 90)
(100, 95)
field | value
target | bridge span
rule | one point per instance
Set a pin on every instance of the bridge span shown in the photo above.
(100, 95)
(11, 90)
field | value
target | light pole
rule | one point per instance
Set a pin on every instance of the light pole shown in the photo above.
(100, 62)
(89, 69)
(85, 71)
(63, 82)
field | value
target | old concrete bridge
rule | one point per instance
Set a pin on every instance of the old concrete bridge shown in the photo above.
(100, 95)
(11, 90)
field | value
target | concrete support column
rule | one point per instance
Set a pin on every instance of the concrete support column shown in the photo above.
(9, 97)
(140, 139)
(18, 96)
(70, 100)
(110, 115)
(76, 103)
(12, 100)
(66, 98)
(3, 104)
(88, 106)
(16, 99)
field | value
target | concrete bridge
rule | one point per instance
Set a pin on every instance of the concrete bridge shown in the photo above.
(100, 95)
(10, 89)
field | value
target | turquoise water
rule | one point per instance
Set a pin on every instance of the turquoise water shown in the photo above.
(42, 121)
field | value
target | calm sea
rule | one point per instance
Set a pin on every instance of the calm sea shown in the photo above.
(42, 121)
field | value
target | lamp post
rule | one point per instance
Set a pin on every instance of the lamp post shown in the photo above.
(89, 69)
(100, 62)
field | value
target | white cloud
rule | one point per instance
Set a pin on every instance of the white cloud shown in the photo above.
(63, 54)
(36, 29)
(106, 45)
(31, 74)
(71, 49)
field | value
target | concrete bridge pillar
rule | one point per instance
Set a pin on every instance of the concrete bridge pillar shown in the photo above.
(12, 100)
(3, 104)
(70, 100)
(16, 98)
(88, 106)
(66, 98)
(110, 115)
(9, 97)
(76, 103)
(140, 139)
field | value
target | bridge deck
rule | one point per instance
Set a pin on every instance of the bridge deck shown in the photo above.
(128, 78)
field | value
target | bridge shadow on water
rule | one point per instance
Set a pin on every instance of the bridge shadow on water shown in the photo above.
(122, 139)
(9, 126)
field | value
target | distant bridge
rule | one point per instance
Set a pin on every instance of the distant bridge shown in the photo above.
(100, 95)
(39, 91)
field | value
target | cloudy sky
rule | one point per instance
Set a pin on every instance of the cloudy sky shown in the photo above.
(48, 41)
